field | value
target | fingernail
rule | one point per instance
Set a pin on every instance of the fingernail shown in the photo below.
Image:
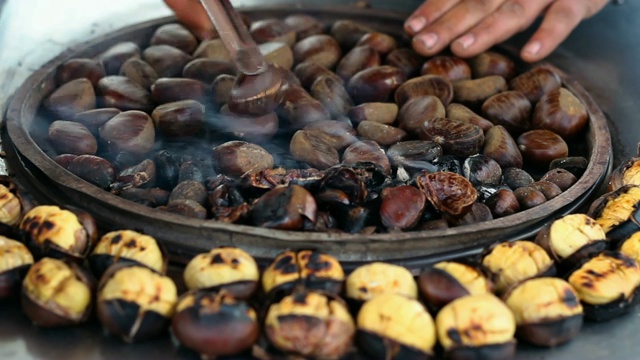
(532, 48)
(466, 41)
(416, 24)
(429, 40)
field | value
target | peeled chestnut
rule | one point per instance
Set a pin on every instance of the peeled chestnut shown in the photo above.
(607, 285)
(130, 131)
(56, 293)
(135, 302)
(10, 207)
(15, 260)
(229, 269)
(235, 158)
(547, 311)
(617, 212)
(391, 326)
(477, 327)
(214, 324)
(627, 173)
(446, 281)
(572, 239)
(126, 246)
(512, 262)
(310, 324)
(371, 280)
(310, 269)
(631, 246)
(52, 231)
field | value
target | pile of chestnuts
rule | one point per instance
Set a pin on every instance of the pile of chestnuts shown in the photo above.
(580, 267)
(363, 135)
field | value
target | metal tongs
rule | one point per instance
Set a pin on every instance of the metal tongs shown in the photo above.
(235, 36)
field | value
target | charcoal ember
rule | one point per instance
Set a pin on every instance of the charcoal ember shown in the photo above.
(227, 204)
(449, 163)
(346, 179)
(167, 169)
(353, 219)
(414, 155)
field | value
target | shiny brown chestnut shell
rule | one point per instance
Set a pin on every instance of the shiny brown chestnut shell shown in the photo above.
(55, 232)
(286, 208)
(74, 97)
(356, 60)
(401, 206)
(130, 247)
(314, 148)
(140, 72)
(322, 49)
(166, 90)
(15, 261)
(227, 269)
(177, 119)
(78, 68)
(375, 84)
(405, 59)
(134, 302)
(572, 239)
(450, 67)
(492, 63)
(272, 29)
(448, 192)
(475, 91)
(130, 131)
(456, 111)
(366, 151)
(510, 109)
(417, 110)
(299, 109)
(93, 169)
(166, 60)
(304, 25)
(536, 82)
(540, 147)
(310, 324)
(607, 285)
(57, 293)
(381, 42)
(547, 311)
(116, 55)
(123, 93)
(425, 85)
(175, 35)
(235, 158)
(257, 129)
(502, 147)
(257, 94)
(386, 332)
(214, 324)
(456, 137)
(561, 112)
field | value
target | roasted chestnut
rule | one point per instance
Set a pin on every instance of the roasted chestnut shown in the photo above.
(310, 269)
(126, 246)
(391, 326)
(135, 302)
(214, 324)
(476, 327)
(572, 239)
(285, 208)
(15, 260)
(561, 112)
(540, 147)
(235, 158)
(56, 293)
(310, 324)
(10, 207)
(450, 67)
(130, 131)
(607, 285)
(627, 173)
(224, 268)
(376, 278)
(617, 212)
(536, 82)
(512, 262)
(456, 137)
(547, 311)
(631, 246)
(401, 207)
(116, 55)
(446, 281)
(501, 147)
(74, 97)
(448, 192)
(55, 232)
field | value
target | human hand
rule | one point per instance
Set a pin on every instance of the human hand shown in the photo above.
(473, 26)
(192, 14)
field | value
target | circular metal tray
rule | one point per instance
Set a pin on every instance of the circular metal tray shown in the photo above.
(184, 237)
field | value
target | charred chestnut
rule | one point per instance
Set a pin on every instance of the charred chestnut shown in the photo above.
(477, 327)
(448, 192)
(224, 268)
(376, 278)
(547, 311)
(607, 285)
(135, 302)
(512, 262)
(310, 269)
(310, 324)
(617, 212)
(15, 260)
(391, 326)
(285, 208)
(572, 239)
(448, 280)
(627, 173)
(126, 246)
(214, 324)
(52, 231)
(56, 293)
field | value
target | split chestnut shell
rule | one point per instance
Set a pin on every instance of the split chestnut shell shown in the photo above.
(449, 280)
(15, 260)
(127, 246)
(617, 212)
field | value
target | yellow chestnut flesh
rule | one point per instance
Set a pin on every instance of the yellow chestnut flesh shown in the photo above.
(512, 262)
(572, 232)
(469, 277)
(59, 227)
(13, 254)
(368, 281)
(129, 244)
(10, 207)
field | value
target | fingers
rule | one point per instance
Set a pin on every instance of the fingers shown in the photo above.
(511, 17)
(560, 19)
(192, 15)
(427, 13)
